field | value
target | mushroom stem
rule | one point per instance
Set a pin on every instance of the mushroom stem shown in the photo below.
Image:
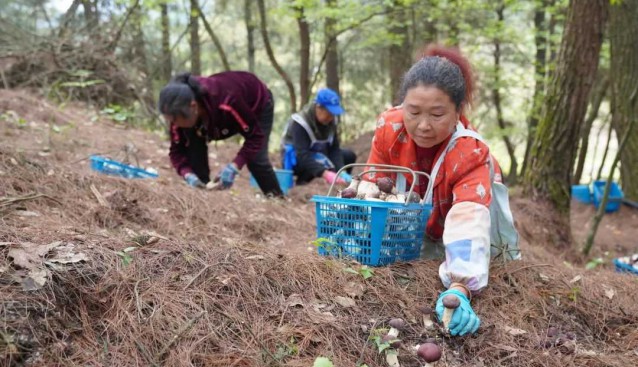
(450, 302)
(392, 358)
(447, 316)
(427, 322)
(393, 332)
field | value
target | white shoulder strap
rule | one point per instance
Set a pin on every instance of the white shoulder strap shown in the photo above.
(460, 132)
(301, 121)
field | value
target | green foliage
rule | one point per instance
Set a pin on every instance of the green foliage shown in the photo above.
(125, 255)
(365, 271)
(322, 362)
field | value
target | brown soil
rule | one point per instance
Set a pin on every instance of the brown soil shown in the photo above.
(231, 279)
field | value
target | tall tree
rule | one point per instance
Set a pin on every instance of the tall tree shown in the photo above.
(623, 36)
(304, 54)
(196, 56)
(263, 27)
(166, 66)
(400, 50)
(332, 49)
(540, 75)
(553, 153)
(214, 38)
(139, 52)
(250, 34)
(512, 177)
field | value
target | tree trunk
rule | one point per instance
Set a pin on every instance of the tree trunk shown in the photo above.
(596, 98)
(554, 150)
(304, 55)
(68, 16)
(167, 60)
(90, 15)
(139, 54)
(399, 52)
(196, 57)
(512, 177)
(263, 26)
(623, 35)
(540, 76)
(250, 30)
(602, 161)
(332, 47)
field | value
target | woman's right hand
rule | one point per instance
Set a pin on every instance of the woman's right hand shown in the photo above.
(331, 177)
(193, 180)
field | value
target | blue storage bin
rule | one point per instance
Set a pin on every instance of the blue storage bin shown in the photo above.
(581, 193)
(285, 178)
(373, 233)
(115, 168)
(615, 195)
(624, 268)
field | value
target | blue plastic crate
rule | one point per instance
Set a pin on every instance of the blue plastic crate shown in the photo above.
(624, 268)
(373, 233)
(285, 178)
(615, 195)
(581, 193)
(115, 168)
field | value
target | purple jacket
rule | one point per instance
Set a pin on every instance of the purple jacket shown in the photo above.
(234, 101)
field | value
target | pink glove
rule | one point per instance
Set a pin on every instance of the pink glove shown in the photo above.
(330, 177)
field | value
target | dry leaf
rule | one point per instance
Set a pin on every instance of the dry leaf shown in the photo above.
(575, 279)
(26, 213)
(354, 289)
(29, 255)
(255, 257)
(294, 300)
(35, 280)
(514, 331)
(345, 301)
(609, 292)
(544, 278)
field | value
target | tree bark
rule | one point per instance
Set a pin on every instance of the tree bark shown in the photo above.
(167, 60)
(304, 55)
(139, 54)
(332, 49)
(623, 35)
(263, 26)
(512, 177)
(602, 161)
(250, 30)
(68, 16)
(196, 56)
(90, 14)
(540, 76)
(596, 98)
(553, 153)
(399, 52)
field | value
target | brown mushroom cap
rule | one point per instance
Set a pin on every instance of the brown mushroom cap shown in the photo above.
(349, 193)
(451, 301)
(397, 323)
(429, 352)
(426, 310)
(394, 342)
(385, 184)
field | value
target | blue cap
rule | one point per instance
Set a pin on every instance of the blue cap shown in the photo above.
(329, 99)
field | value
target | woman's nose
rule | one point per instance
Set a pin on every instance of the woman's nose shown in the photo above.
(424, 124)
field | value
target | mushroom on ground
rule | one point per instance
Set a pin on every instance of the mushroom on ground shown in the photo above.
(427, 316)
(392, 356)
(395, 326)
(450, 302)
(429, 352)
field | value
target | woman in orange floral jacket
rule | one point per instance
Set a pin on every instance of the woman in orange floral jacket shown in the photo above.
(435, 92)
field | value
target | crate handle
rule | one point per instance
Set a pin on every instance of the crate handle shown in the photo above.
(384, 168)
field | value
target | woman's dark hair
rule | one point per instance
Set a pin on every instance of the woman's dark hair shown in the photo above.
(176, 96)
(444, 68)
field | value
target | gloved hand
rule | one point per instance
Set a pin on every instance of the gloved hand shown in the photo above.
(345, 176)
(331, 177)
(227, 176)
(193, 180)
(464, 320)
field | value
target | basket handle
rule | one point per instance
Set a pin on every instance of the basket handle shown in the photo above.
(383, 168)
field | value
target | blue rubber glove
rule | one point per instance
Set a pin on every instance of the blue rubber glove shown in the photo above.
(345, 176)
(227, 175)
(464, 320)
(193, 180)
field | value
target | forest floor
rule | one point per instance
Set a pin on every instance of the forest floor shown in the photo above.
(97, 270)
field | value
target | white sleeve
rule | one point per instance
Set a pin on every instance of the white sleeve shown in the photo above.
(466, 237)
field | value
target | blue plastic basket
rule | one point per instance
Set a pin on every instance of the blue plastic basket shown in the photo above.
(615, 195)
(624, 268)
(284, 176)
(115, 168)
(581, 193)
(373, 233)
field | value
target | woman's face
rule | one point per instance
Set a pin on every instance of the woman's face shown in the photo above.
(184, 122)
(429, 115)
(324, 116)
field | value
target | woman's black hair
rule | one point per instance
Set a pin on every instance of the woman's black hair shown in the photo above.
(176, 96)
(445, 68)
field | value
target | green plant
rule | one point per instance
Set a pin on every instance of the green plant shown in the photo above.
(322, 362)
(118, 113)
(364, 270)
(125, 255)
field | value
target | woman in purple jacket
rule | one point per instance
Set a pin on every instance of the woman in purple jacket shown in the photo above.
(200, 109)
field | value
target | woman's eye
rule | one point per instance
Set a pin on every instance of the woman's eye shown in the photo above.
(437, 116)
